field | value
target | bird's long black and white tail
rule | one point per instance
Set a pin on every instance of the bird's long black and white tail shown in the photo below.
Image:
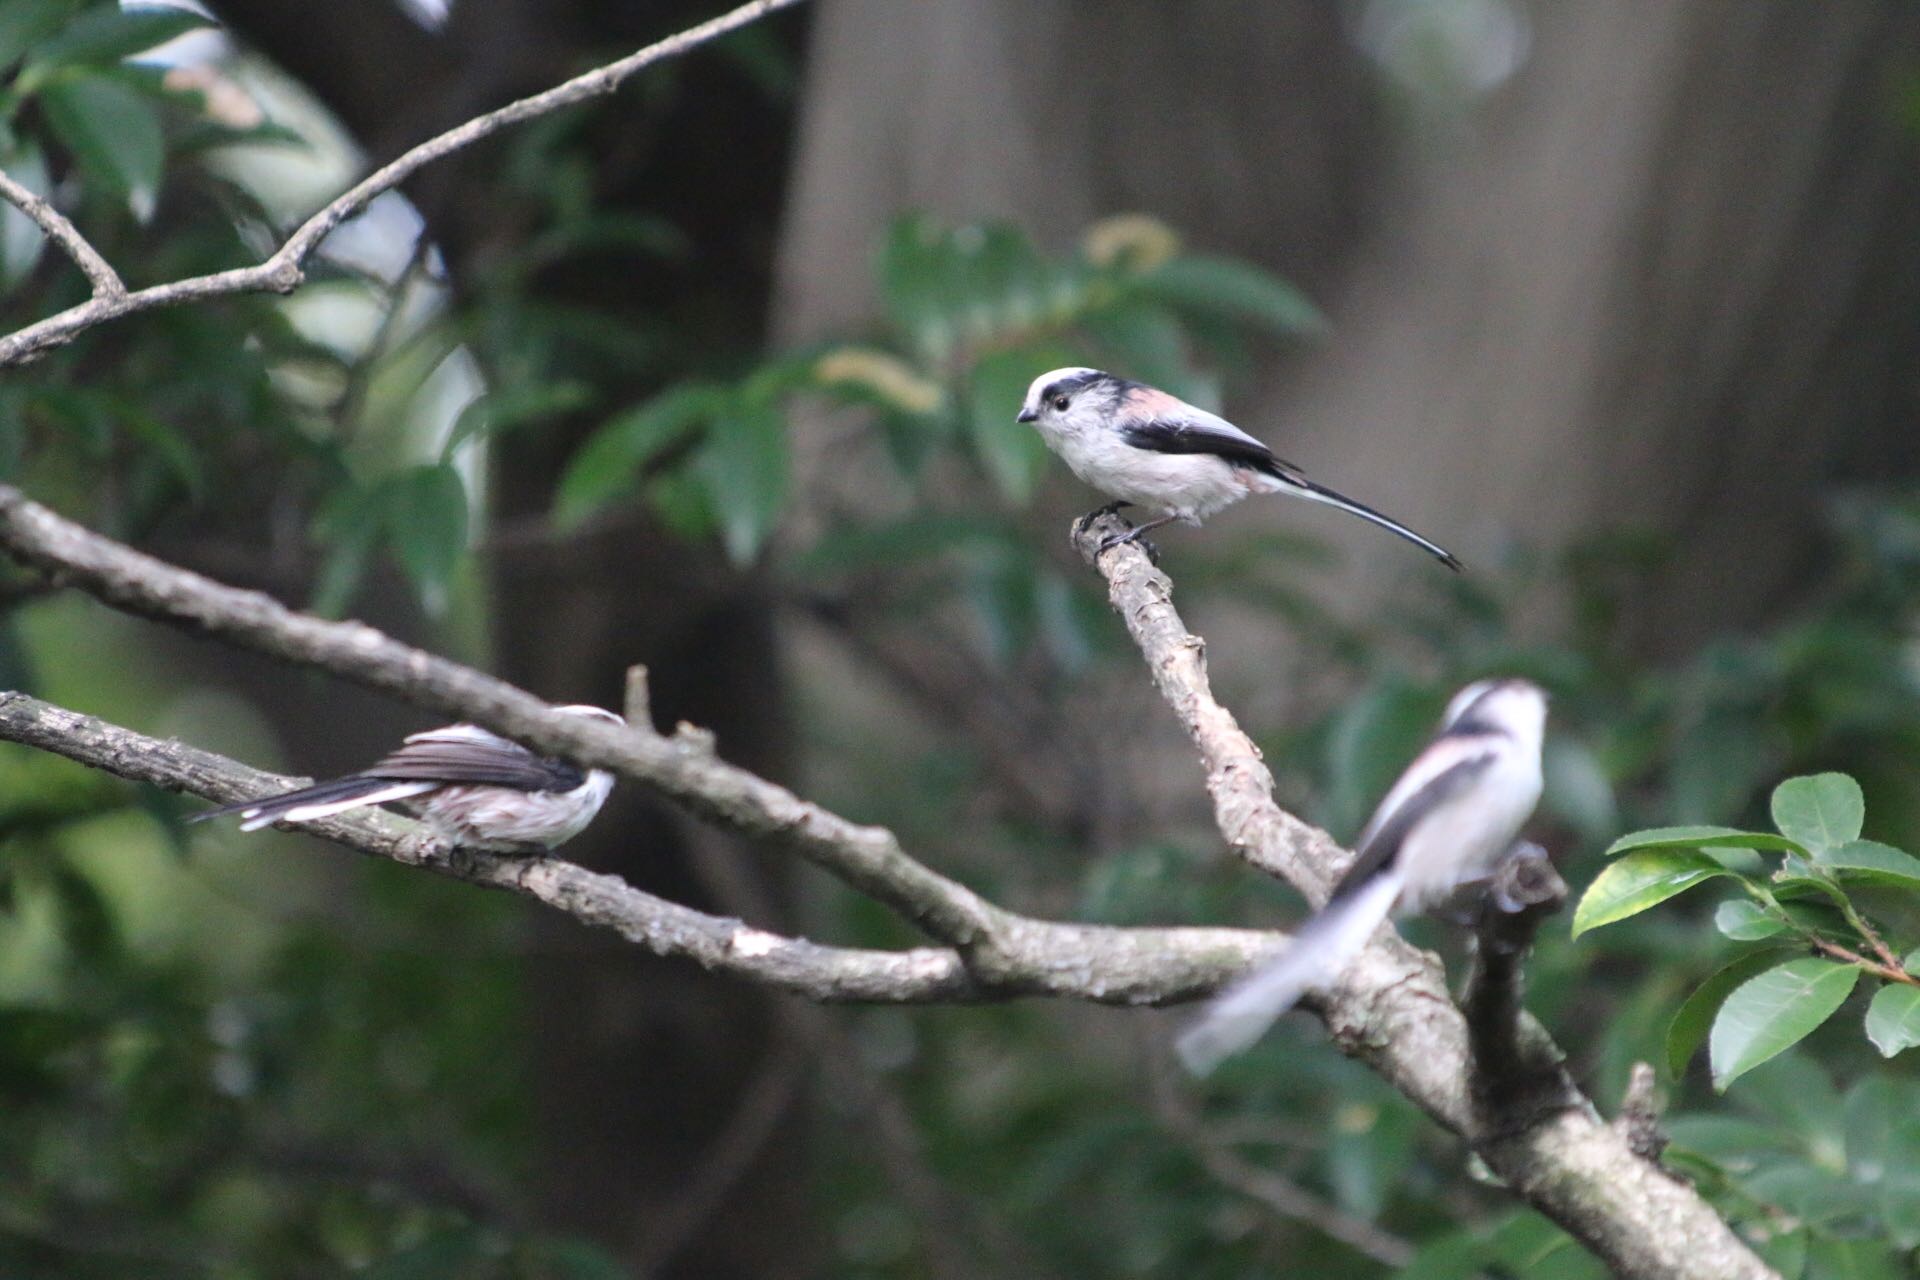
(1333, 498)
(1241, 1014)
(321, 800)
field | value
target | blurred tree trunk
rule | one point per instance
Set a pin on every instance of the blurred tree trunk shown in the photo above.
(1668, 277)
(639, 1064)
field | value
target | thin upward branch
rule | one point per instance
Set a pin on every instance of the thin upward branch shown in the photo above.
(1391, 1008)
(60, 229)
(284, 270)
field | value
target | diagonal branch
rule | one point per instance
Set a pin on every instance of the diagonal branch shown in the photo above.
(1392, 1009)
(60, 229)
(683, 767)
(1106, 965)
(284, 270)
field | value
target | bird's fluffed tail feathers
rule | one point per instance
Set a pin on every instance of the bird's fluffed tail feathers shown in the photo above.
(1333, 498)
(1241, 1014)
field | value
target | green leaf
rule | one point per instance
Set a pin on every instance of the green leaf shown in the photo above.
(1832, 1258)
(1640, 880)
(607, 466)
(1011, 453)
(1872, 861)
(1745, 920)
(1893, 1019)
(497, 412)
(1822, 812)
(112, 131)
(1233, 289)
(105, 34)
(426, 515)
(743, 468)
(1691, 1021)
(1701, 838)
(1773, 1012)
(24, 24)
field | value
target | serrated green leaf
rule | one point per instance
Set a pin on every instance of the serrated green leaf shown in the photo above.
(1011, 453)
(112, 131)
(608, 465)
(742, 465)
(1640, 880)
(1237, 290)
(1893, 1019)
(1872, 861)
(1822, 812)
(1691, 1021)
(426, 519)
(106, 34)
(1745, 920)
(1702, 838)
(1772, 1012)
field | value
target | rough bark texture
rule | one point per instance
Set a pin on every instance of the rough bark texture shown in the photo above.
(1391, 1009)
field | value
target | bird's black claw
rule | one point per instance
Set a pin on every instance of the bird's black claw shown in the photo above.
(1085, 522)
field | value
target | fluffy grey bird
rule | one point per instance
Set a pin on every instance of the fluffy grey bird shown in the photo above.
(1141, 446)
(1448, 822)
(473, 786)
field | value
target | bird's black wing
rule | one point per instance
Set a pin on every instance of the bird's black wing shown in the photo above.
(1379, 852)
(457, 758)
(1181, 435)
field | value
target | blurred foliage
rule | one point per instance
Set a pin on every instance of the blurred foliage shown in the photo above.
(208, 1069)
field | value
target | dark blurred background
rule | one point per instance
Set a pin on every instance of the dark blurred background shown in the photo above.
(1618, 302)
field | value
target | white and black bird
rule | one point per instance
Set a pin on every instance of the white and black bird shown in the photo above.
(1447, 823)
(1144, 447)
(471, 785)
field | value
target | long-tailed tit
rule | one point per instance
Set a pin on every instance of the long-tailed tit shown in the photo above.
(473, 786)
(1448, 822)
(1142, 446)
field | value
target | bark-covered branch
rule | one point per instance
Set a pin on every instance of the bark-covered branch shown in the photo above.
(1108, 965)
(60, 229)
(284, 270)
(1392, 1009)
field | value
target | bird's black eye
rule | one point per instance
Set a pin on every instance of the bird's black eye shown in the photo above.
(1060, 403)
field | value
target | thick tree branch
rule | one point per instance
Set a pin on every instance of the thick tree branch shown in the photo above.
(284, 270)
(104, 279)
(1107, 965)
(1392, 1009)
(683, 767)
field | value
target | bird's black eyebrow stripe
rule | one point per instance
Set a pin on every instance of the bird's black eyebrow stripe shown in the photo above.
(1070, 384)
(1163, 436)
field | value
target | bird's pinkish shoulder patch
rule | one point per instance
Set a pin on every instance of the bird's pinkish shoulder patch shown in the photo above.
(1152, 402)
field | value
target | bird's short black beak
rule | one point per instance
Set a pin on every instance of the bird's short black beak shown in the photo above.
(1027, 415)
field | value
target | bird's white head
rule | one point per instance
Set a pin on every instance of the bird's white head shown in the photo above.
(1070, 401)
(1516, 708)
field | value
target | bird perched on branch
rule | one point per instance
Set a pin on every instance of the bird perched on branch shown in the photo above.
(474, 786)
(1448, 822)
(1141, 446)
